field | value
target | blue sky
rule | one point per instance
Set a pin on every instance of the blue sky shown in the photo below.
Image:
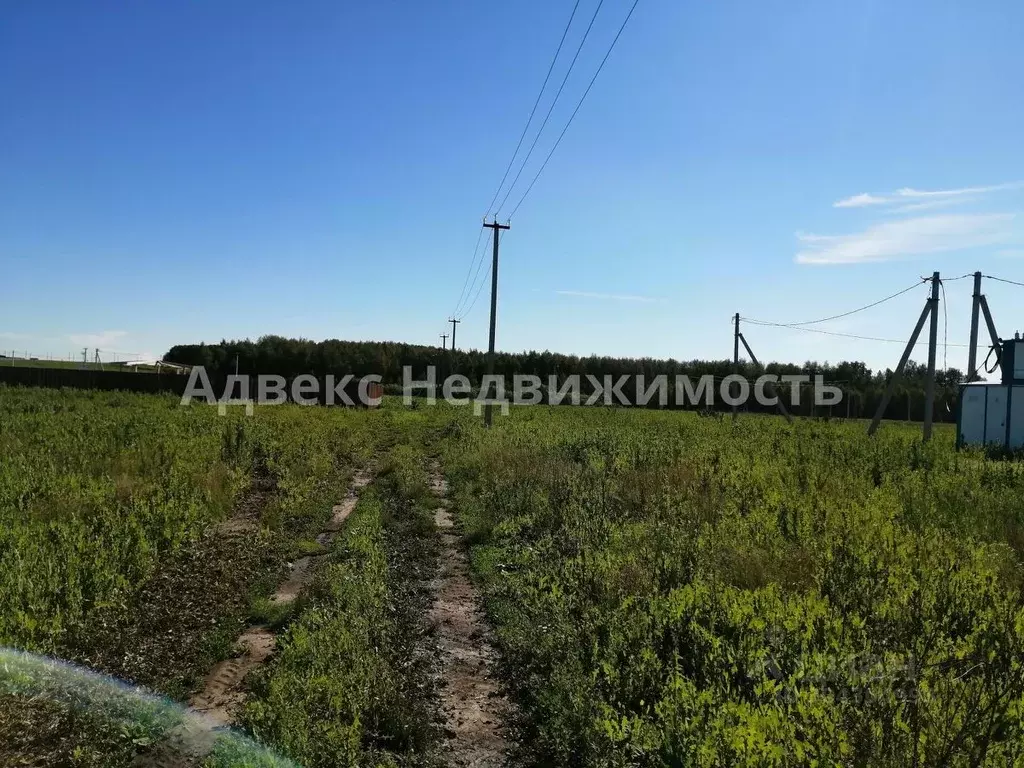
(177, 172)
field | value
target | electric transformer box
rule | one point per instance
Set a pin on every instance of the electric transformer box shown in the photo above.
(1012, 360)
(991, 414)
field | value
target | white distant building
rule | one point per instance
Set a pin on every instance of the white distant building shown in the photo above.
(159, 365)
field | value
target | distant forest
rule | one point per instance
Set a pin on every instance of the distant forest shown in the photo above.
(291, 357)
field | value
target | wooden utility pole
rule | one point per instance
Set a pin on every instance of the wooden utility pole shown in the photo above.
(444, 341)
(488, 415)
(454, 323)
(779, 404)
(933, 343)
(931, 310)
(736, 351)
(972, 355)
(997, 344)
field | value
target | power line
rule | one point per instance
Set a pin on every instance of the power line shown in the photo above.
(478, 256)
(580, 104)
(479, 288)
(540, 131)
(533, 111)
(831, 333)
(851, 312)
(990, 371)
(476, 296)
(984, 364)
(1003, 280)
(547, 117)
(118, 352)
(479, 266)
(472, 261)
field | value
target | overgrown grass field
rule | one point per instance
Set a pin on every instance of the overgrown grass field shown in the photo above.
(676, 590)
(137, 536)
(666, 589)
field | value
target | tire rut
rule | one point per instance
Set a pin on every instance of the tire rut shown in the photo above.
(223, 693)
(473, 705)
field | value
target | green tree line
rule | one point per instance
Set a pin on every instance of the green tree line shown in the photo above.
(862, 387)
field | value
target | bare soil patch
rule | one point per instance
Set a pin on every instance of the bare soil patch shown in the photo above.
(472, 702)
(223, 691)
(189, 609)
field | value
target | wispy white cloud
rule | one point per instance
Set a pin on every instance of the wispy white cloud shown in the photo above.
(903, 196)
(918, 232)
(930, 205)
(1010, 253)
(609, 296)
(917, 193)
(906, 237)
(102, 340)
(859, 201)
